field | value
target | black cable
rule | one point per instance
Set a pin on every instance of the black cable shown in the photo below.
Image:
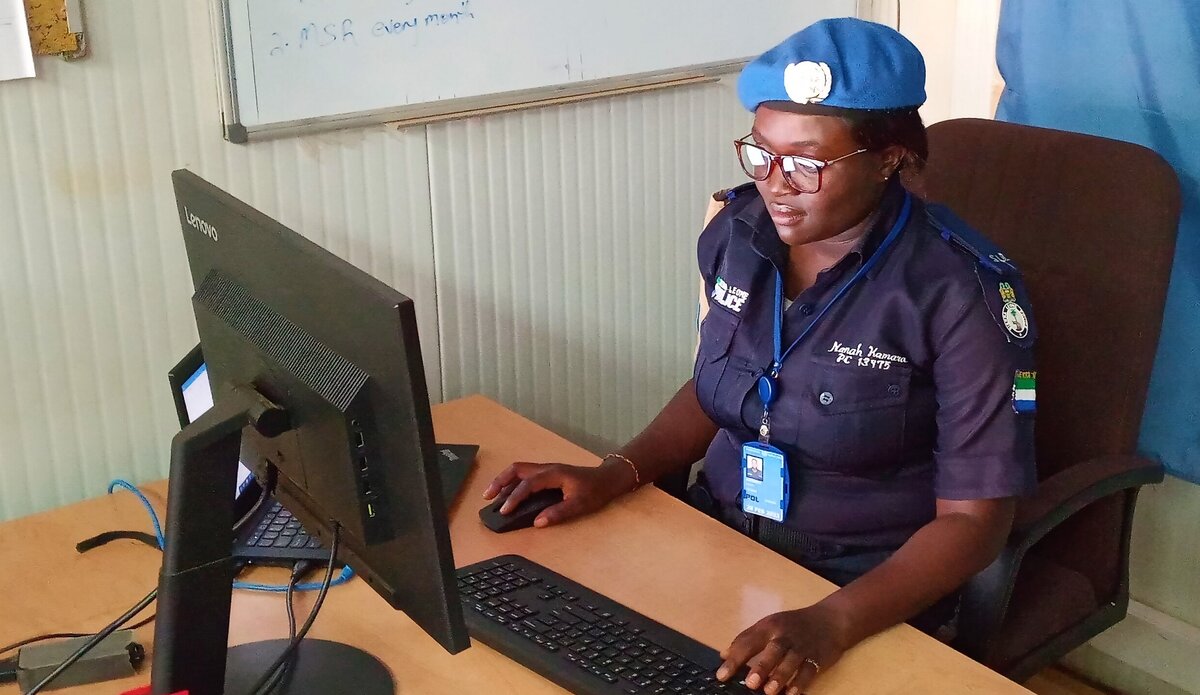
(43, 638)
(300, 569)
(96, 639)
(8, 670)
(65, 635)
(268, 680)
(142, 623)
(291, 610)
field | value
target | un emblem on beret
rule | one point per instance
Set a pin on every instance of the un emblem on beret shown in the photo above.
(807, 82)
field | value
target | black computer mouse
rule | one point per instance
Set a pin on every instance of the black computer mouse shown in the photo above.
(523, 515)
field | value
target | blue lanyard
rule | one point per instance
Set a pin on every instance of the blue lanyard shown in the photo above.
(767, 388)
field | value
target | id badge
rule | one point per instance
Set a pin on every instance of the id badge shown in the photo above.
(764, 481)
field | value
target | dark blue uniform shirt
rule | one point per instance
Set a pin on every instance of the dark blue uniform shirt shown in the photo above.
(902, 394)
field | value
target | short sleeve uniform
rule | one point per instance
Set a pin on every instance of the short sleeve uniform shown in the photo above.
(915, 386)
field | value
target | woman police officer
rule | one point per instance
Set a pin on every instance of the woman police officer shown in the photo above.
(863, 390)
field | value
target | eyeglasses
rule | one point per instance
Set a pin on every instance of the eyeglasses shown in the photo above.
(801, 173)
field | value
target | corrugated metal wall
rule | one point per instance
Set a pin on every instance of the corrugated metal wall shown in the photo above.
(565, 242)
(550, 252)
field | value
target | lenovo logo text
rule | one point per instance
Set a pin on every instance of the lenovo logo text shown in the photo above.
(200, 225)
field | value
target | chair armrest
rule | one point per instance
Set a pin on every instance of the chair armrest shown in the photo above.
(985, 597)
(1072, 489)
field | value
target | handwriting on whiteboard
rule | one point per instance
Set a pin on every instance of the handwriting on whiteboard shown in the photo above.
(350, 31)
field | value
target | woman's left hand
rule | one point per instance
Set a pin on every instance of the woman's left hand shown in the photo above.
(785, 651)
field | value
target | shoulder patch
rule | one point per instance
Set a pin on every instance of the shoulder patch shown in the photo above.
(958, 233)
(1008, 302)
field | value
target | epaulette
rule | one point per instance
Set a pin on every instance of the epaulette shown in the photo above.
(999, 278)
(958, 233)
(727, 195)
(723, 198)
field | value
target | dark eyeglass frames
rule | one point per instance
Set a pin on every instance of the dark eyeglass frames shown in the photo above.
(801, 173)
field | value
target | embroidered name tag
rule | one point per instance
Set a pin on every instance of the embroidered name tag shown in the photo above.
(867, 356)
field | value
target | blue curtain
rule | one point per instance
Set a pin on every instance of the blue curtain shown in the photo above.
(1128, 70)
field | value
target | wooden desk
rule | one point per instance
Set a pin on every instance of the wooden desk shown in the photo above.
(648, 551)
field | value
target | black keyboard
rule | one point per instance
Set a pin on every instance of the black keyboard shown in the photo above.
(584, 642)
(279, 529)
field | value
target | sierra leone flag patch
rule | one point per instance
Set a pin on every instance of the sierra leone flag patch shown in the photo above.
(1024, 394)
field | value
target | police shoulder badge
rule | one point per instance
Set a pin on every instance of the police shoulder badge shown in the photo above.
(807, 82)
(1012, 314)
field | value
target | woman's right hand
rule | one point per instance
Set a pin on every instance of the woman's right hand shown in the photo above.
(586, 489)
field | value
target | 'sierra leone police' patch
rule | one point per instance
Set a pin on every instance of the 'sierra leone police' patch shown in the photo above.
(728, 296)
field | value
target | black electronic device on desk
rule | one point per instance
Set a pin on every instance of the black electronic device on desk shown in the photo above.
(266, 532)
(317, 382)
(579, 639)
(523, 515)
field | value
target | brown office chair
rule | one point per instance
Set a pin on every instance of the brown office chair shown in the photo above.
(1092, 223)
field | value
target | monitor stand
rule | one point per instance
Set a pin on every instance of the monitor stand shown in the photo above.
(319, 667)
(196, 582)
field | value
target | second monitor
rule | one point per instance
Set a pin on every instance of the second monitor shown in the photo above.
(315, 370)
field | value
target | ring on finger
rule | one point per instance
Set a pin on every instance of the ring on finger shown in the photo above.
(813, 662)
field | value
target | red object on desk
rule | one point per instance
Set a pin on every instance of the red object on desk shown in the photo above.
(145, 690)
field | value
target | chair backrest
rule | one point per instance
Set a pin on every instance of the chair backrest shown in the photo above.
(1092, 223)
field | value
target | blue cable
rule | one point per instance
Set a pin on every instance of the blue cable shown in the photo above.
(118, 483)
(346, 575)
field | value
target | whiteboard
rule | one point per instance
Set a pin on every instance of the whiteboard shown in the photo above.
(293, 65)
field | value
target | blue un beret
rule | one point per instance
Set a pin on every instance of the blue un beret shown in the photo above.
(843, 63)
